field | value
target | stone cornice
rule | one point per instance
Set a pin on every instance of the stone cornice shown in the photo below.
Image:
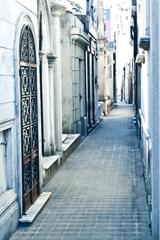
(57, 9)
(101, 38)
(51, 58)
(79, 36)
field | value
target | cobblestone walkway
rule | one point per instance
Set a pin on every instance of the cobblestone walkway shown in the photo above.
(98, 193)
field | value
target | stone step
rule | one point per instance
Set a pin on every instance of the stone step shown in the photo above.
(50, 165)
(34, 210)
(70, 144)
(64, 136)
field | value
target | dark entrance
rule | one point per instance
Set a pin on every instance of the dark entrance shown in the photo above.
(29, 118)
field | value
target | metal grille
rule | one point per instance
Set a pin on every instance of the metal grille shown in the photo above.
(29, 118)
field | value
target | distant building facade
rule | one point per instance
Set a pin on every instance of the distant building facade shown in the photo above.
(102, 68)
(145, 34)
(79, 72)
(106, 60)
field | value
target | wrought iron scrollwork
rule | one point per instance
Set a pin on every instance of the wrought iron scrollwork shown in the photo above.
(24, 72)
(34, 171)
(27, 177)
(26, 141)
(26, 111)
(33, 80)
(29, 117)
(34, 137)
(32, 55)
(24, 50)
(27, 47)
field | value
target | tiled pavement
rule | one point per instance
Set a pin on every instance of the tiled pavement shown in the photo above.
(99, 192)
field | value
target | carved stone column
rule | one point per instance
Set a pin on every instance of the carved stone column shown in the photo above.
(45, 82)
(57, 10)
(51, 60)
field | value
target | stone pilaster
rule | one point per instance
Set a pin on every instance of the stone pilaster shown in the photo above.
(57, 10)
(51, 60)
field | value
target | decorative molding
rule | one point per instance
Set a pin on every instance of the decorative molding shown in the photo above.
(79, 36)
(7, 124)
(144, 43)
(57, 9)
(9, 214)
(6, 200)
(51, 58)
(140, 58)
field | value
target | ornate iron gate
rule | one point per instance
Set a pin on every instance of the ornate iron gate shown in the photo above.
(29, 118)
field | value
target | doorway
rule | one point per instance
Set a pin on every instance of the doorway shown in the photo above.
(29, 118)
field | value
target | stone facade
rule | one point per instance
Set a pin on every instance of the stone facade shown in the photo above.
(74, 46)
(106, 61)
(79, 74)
(14, 16)
(147, 61)
(127, 84)
(48, 87)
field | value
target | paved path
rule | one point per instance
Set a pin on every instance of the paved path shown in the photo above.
(98, 193)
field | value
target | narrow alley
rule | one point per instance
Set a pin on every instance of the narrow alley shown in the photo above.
(98, 193)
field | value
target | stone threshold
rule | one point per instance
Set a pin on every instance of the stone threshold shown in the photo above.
(70, 139)
(64, 137)
(34, 210)
(48, 162)
(70, 144)
(50, 165)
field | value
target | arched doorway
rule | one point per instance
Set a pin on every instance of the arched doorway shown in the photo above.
(29, 118)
